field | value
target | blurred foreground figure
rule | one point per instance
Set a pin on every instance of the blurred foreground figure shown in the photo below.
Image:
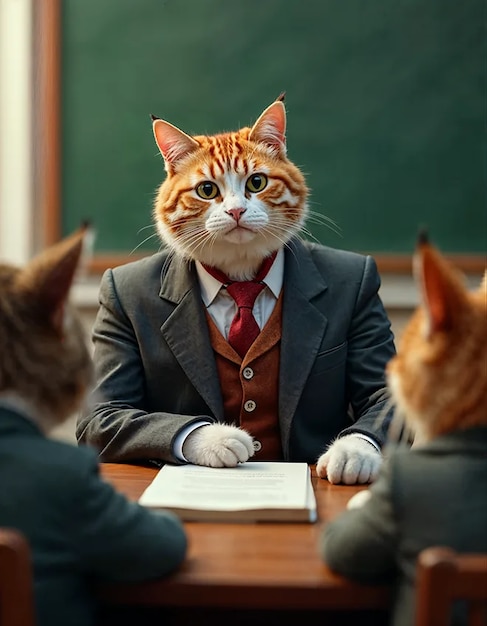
(80, 531)
(435, 493)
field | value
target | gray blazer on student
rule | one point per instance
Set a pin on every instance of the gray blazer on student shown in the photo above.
(81, 532)
(435, 495)
(156, 371)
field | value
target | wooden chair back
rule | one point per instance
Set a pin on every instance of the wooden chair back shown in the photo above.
(16, 580)
(445, 576)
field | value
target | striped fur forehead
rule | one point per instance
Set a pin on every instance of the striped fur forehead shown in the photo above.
(232, 152)
(268, 134)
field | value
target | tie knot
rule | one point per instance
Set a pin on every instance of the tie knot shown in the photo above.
(245, 292)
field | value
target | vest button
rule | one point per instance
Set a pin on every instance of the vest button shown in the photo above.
(257, 446)
(248, 373)
(250, 406)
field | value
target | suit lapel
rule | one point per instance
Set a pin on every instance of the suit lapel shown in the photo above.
(303, 327)
(186, 332)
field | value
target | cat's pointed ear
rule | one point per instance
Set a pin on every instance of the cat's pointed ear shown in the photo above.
(49, 276)
(270, 128)
(442, 288)
(172, 142)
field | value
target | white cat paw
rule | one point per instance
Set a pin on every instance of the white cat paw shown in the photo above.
(358, 499)
(218, 445)
(349, 460)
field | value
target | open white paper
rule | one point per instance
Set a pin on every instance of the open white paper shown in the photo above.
(253, 491)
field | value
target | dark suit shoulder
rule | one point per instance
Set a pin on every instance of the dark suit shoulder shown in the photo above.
(335, 259)
(145, 275)
(342, 268)
(142, 269)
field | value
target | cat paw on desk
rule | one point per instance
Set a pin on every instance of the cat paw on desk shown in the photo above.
(349, 460)
(218, 445)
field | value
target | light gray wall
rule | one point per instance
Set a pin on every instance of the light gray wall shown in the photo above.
(16, 145)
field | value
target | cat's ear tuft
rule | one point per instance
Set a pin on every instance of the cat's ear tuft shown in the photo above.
(154, 117)
(270, 128)
(173, 143)
(49, 276)
(442, 288)
(281, 97)
(423, 237)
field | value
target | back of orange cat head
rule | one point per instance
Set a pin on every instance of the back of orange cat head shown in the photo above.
(439, 376)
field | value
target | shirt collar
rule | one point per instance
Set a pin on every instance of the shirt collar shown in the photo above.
(210, 286)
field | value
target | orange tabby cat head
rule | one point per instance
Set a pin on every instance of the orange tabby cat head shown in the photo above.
(439, 376)
(44, 360)
(230, 200)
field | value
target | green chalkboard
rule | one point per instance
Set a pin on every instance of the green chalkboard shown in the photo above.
(386, 109)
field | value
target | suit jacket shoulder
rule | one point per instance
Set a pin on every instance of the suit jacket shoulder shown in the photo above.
(140, 273)
(340, 265)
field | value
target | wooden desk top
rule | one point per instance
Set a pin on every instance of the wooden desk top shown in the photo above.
(264, 565)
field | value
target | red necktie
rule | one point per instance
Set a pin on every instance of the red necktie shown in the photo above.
(243, 329)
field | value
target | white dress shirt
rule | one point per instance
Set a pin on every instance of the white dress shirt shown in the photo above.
(222, 307)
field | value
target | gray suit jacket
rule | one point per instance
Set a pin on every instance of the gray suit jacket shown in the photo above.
(156, 371)
(428, 496)
(81, 532)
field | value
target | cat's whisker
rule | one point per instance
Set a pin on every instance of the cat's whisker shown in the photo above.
(312, 221)
(145, 228)
(309, 235)
(274, 232)
(198, 240)
(322, 218)
(289, 246)
(169, 259)
(143, 242)
(322, 215)
(195, 238)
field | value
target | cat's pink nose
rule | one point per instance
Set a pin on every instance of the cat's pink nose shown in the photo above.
(236, 213)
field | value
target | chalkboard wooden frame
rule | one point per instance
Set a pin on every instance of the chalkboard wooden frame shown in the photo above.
(48, 70)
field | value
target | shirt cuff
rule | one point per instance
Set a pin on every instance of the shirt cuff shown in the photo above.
(181, 438)
(368, 439)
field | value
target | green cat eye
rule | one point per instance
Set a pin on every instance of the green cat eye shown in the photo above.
(256, 183)
(207, 190)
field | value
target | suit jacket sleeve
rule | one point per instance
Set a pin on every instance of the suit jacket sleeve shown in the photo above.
(119, 540)
(361, 543)
(370, 347)
(117, 424)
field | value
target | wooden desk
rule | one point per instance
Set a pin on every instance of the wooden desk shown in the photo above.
(248, 566)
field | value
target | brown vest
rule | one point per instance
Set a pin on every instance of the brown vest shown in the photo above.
(250, 386)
